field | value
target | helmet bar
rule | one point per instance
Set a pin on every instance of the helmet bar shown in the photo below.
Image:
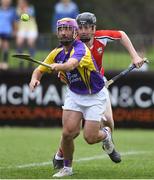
(67, 22)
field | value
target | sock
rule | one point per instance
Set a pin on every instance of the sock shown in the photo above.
(32, 52)
(108, 145)
(59, 154)
(67, 163)
(105, 131)
(58, 157)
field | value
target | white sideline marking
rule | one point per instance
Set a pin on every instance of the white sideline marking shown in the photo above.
(77, 160)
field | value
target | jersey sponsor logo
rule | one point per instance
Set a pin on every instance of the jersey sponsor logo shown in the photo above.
(100, 50)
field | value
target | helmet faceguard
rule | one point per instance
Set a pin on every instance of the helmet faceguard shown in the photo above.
(67, 23)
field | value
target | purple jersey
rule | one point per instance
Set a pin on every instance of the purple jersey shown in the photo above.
(85, 79)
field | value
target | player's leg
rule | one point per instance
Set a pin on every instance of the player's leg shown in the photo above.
(31, 41)
(93, 115)
(58, 159)
(107, 118)
(107, 121)
(71, 124)
(20, 39)
(5, 52)
(72, 115)
(20, 43)
(93, 134)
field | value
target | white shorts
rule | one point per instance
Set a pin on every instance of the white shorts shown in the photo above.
(27, 34)
(91, 106)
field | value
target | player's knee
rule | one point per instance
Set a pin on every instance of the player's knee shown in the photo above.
(68, 134)
(90, 139)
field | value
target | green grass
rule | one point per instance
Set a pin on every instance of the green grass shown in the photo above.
(25, 146)
(111, 61)
(121, 60)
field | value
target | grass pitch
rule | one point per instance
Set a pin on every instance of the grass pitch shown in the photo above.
(25, 153)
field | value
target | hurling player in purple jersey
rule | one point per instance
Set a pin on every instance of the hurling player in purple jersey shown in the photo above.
(85, 97)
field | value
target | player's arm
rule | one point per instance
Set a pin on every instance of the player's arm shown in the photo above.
(35, 79)
(126, 42)
(70, 65)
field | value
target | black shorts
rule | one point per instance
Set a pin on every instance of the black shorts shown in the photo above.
(5, 36)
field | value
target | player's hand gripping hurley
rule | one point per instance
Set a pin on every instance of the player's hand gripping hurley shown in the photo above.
(123, 73)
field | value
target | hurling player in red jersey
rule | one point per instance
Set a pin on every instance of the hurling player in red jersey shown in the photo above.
(97, 40)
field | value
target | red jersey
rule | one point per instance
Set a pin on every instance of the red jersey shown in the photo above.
(101, 38)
